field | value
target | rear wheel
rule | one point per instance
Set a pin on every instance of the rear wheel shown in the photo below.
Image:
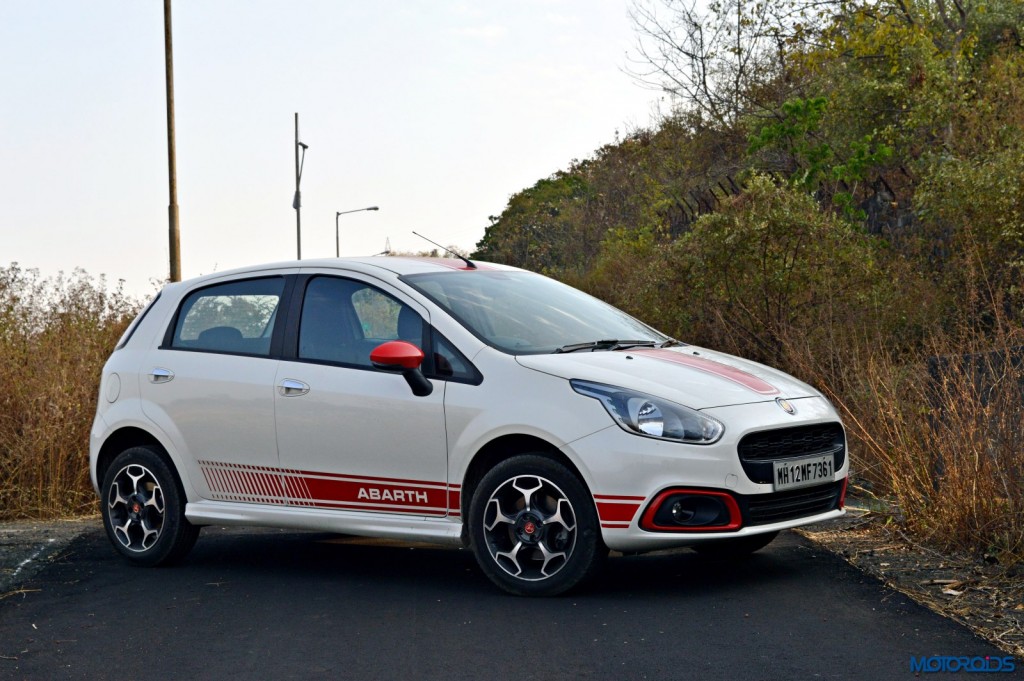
(534, 527)
(737, 547)
(143, 508)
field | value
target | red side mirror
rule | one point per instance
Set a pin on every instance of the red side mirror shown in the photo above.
(396, 356)
(406, 358)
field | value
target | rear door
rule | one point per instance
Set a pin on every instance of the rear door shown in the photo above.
(210, 388)
(352, 437)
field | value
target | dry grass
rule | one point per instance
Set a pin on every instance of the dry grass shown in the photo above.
(55, 335)
(944, 438)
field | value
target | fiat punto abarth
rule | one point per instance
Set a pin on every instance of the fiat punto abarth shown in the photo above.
(442, 400)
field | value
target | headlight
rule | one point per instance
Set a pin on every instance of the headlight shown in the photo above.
(642, 414)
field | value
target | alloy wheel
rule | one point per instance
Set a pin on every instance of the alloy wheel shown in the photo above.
(135, 507)
(530, 527)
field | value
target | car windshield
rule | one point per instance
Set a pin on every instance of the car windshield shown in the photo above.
(525, 313)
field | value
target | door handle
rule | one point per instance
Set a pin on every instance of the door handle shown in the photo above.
(161, 375)
(289, 387)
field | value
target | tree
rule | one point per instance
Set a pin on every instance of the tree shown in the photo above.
(533, 231)
(723, 63)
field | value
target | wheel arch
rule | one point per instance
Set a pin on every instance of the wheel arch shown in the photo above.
(500, 449)
(126, 438)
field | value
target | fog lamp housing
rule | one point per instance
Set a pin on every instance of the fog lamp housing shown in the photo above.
(692, 510)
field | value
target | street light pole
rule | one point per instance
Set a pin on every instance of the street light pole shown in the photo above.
(297, 201)
(337, 243)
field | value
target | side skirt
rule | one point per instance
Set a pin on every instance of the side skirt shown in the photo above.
(445, 531)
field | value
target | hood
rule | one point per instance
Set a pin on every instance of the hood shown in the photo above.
(694, 377)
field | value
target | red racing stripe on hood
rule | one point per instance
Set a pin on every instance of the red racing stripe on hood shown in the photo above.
(708, 366)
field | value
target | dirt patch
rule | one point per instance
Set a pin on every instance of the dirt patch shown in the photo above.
(979, 593)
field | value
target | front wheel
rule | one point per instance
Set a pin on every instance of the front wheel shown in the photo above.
(534, 527)
(143, 509)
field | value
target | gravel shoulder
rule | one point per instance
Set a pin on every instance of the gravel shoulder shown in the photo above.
(986, 597)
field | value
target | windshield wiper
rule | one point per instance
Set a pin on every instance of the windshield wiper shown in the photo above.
(672, 343)
(611, 344)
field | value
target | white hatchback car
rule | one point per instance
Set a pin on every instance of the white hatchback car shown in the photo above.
(462, 403)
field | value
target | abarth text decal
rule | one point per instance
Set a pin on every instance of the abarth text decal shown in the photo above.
(289, 487)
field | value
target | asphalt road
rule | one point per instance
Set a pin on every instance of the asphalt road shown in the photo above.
(269, 604)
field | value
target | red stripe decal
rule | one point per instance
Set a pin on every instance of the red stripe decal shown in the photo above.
(708, 366)
(206, 475)
(251, 483)
(369, 479)
(219, 477)
(267, 485)
(293, 488)
(616, 512)
(440, 512)
(240, 482)
(400, 495)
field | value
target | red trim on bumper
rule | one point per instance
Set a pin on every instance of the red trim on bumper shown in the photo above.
(616, 511)
(735, 518)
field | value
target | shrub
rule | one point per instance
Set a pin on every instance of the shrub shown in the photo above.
(55, 335)
(944, 439)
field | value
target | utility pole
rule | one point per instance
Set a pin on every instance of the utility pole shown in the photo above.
(172, 168)
(297, 201)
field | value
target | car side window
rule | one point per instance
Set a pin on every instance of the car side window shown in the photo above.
(450, 364)
(235, 318)
(343, 320)
(130, 331)
(377, 313)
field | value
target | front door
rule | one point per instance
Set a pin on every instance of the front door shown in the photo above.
(351, 437)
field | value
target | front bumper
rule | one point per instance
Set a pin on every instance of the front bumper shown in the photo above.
(627, 473)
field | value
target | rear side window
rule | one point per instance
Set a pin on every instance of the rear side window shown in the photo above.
(130, 331)
(235, 318)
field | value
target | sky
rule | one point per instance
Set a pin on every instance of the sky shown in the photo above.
(436, 111)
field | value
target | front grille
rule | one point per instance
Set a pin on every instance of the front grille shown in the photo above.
(764, 509)
(758, 450)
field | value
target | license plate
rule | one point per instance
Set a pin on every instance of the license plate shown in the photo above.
(795, 473)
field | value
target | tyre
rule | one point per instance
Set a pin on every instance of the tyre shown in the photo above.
(143, 508)
(735, 548)
(534, 527)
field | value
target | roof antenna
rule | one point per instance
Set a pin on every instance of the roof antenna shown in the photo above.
(469, 263)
